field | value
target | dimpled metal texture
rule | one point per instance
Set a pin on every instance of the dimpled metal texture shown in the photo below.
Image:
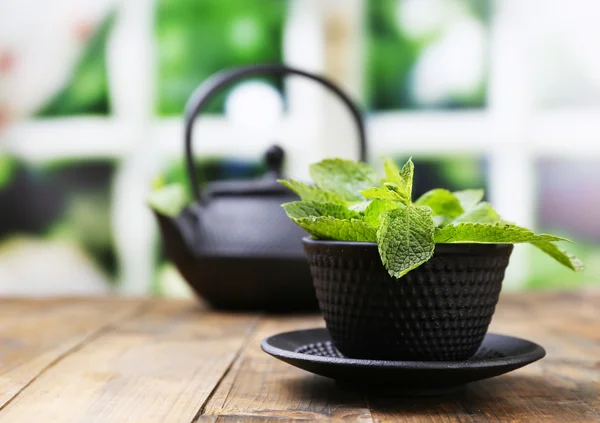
(439, 311)
(327, 349)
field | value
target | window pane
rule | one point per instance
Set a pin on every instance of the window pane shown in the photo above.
(567, 199)
(197, 38)
(53, 59)
(86, 91)
(426, 54)
(57, 216)
(564, 50)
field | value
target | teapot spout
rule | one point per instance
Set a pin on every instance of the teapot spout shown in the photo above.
(176, 233)
(177, 224)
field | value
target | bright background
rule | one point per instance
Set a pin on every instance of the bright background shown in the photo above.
(500, 94)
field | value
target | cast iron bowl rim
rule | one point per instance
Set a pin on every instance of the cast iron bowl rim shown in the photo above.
(446, 245)
(538, 352)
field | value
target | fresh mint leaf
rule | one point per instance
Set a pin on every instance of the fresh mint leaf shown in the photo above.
(389, 191)
(169, 200)
(325, 227)
(407, 174)
(481, 213)
(469, 198)
(344, 177)
(310, 193)
(405, 239)
(560, 255)
(392, 172)
(350, 203)
(300, 209)
(401, 178)
(374, 210)
(486, 233)
(360, 206)
(442, 202)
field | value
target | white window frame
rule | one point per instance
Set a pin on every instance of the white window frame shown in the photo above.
(323, 37)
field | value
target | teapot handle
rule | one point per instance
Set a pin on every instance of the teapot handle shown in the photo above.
(221, 80)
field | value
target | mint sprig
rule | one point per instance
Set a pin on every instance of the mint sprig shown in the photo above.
(442, 203)
(325, 227)
(344, 177)
(351, 203)
(489, 233)
(310, 193)
(301, 209)
(405, 239)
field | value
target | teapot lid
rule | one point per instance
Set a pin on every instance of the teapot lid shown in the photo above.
(267, 185)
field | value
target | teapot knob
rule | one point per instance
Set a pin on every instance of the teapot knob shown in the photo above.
(274, 159)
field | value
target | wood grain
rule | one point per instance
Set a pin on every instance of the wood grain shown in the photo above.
(159, 366)
(150, 361)
(260, 388)
(34, 334)
(562, 388)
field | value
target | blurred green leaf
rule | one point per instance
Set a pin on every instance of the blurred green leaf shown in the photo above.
(169, 200)
(86, 92)
(391, 56)
(8, 166)
(197, 38)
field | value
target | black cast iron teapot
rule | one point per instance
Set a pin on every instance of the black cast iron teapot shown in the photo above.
(235, 246)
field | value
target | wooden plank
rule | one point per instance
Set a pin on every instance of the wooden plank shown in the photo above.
(36, 333)
(159, 366)
(531, 394)
(563, 387)
(173, 362)
(260, 388)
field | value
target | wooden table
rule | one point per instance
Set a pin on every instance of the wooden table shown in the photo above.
(116, 360)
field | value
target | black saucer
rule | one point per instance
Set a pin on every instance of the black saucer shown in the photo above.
(312, 350)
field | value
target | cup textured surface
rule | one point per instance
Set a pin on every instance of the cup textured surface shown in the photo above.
(438, 311)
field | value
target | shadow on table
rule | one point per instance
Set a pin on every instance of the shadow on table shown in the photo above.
(503, 397)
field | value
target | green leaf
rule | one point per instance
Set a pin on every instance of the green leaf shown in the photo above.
(560, 255)
(300, 209)
(373, 212)
(442, 202)
(392, 172)
(310, 193)
(405, 239)
(486, 233)
(325, 227)
(351, 204)
(8, 169)
(87, 90)
(481, 213)
(344, 177)
(388, 191)
(169, 200)
(469, 198)
(360, 206)
(402, 179)
(407, 174)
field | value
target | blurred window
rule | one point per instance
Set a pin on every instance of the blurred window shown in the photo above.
(85, 91)
(426, 54)
(91, 103)
(567, 198)
(563, 42)
(196, 38)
